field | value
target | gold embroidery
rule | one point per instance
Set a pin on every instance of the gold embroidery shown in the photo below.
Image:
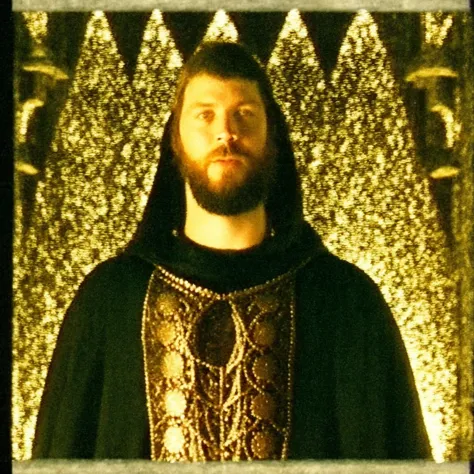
(263, 444)
(166, 333)
(167, 303)
(175, 403)
(264, 368)
(264, 333)
(172, 365)
(218, 369)
(263, 406)
(174, 439)
(267, 302)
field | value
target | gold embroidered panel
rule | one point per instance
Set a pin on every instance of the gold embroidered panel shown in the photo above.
(218, 369)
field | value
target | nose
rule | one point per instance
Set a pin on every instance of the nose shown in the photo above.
(227, 129)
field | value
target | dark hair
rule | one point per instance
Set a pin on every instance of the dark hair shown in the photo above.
(224, 60)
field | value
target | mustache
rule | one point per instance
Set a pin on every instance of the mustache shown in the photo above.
(228, 149)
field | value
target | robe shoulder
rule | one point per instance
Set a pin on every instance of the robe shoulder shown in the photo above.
(354, 394)
(92, 363)
(346, 329)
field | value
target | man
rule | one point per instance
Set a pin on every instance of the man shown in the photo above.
(226, 330)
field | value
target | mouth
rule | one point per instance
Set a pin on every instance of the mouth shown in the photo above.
(229, 159)
(226, 160)
(227, 163)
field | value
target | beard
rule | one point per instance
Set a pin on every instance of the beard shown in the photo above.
(241, 188)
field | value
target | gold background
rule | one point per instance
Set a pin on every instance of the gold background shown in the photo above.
(364, 189)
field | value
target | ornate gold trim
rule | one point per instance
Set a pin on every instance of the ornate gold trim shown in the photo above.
(234, 407)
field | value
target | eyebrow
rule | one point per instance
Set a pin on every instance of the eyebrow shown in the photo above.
(202, 105)
(195, 105)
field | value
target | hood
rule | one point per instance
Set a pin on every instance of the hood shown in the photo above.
(165, 210)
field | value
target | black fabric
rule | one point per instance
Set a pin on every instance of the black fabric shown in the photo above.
(354, 395)
(228, 270)
(94, 393)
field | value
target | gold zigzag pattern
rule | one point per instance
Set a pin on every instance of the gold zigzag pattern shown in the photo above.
(363, 192)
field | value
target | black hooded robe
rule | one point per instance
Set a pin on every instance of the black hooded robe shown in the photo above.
(354, 395)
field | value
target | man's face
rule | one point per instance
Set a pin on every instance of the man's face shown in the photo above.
(225, 155)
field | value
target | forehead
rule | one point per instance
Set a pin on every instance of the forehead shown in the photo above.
(205, 88)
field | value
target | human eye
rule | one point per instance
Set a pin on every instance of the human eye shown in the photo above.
(246, 112)
(204, 115)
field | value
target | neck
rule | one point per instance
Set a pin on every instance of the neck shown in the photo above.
(224, 232)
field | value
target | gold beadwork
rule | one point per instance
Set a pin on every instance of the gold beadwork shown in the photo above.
(264, 368)
(267, 302)
(166, 333)
(263, 445)
(172, 365)
(174, 439)
(175, 403)
(264, 333)
(167, 303)
(263, 406)
(240, 409)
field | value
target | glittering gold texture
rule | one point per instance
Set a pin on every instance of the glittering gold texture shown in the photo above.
(298, 85)
(366, 195)
(237, 410)
(37, 24)
(154, 83)
(175, 403)
(167, 303)
(265, 368)
(263, 406)
(98, 174)
(71, 200)
(463, 231)
(173, 440)
(363, 191)
(263, 445)
(370, 201)
(267, 303)
(221, 28)
(453, 127)
(171, 365)
(437, 26)
(166, 332)
(264, 334)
